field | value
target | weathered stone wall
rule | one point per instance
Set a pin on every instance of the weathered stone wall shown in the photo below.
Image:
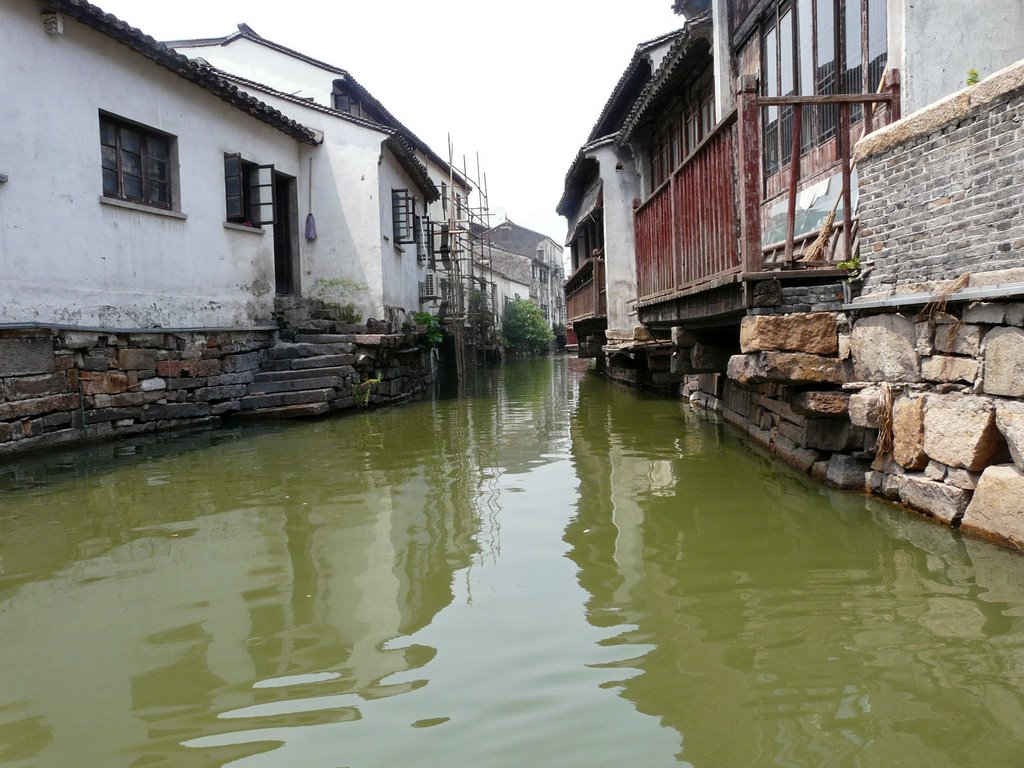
(942, 192)
(945, 392)
(59, 387)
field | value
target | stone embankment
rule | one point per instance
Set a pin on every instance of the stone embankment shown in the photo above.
(59, 387)
(926, 410)
(915, 388)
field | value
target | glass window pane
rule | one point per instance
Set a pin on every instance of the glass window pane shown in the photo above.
(786, 54)
(157, 170)
(157, 147)
(770, 62)
(131, 163)
(878, 42)
(851, 47)
(158, 192)
(133, 187)
(109, 155)
(109, 182)
(108, 133)
(130, 140)
(825, 69)
(805, 50)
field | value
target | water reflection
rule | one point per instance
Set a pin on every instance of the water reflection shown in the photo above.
(224, 580)
(781, 624)
(392, 588)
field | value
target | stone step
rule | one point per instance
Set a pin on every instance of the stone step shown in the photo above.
(306, 373)
(324, 338)
(278, 399)
(322, 361)
(304, 410)
(292, 351)
(294, 385)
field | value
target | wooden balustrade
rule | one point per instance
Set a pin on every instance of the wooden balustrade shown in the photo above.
(703, 225)
(586, 293)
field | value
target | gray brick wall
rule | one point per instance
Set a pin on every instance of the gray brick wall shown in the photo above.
(946, 203)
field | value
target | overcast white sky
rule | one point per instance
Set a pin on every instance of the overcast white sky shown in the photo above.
(520, 83)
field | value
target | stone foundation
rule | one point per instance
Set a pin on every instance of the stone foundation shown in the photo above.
(61, 387)
(818, 389)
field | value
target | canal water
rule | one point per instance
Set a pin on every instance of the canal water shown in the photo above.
(549, 571)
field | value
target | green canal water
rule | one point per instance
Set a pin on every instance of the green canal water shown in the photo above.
(551, 571)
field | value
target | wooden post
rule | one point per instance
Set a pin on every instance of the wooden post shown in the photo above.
(892, 89)
(794, 179)
(844, 149)
(749, 161)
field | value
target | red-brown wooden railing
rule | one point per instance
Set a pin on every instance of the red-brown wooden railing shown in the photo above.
(686, 231)
(704, 222)
(585, 292)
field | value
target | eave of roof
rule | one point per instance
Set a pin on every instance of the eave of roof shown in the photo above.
(245, 32)
(406, 156)
(199, 74)
(697, 29)
(298, 100)
(619, 92)
(574, 174)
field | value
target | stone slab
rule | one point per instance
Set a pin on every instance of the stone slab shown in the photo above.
(294, 385)
(863, 407)
(831, 403)
(960, 431)
(845, 471)
(786, 368)
(1004, 362)
(947, 368)
(883, 348)
(813, 333)
(908, 432)
(941, 501)
(997, 509)
(21, 357)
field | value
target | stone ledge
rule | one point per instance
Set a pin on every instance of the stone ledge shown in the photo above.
(1000, 86)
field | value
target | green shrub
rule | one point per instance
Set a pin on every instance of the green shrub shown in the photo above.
(524, 328)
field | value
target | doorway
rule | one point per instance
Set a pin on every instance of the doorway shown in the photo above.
(286, 235)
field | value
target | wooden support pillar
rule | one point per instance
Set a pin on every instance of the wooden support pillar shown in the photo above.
(750, 183)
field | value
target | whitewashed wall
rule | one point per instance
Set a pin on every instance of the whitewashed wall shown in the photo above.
(353, 259)
(935, 50)
(278, 70)
(621, 185)
(401, 272)
(66, 257)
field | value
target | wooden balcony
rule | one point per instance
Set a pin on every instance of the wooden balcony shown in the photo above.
(686, 232)
(585, 292)
(699, 237)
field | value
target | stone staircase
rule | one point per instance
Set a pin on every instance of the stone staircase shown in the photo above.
(310, 375)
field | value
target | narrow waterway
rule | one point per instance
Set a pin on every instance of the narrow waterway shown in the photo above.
(551, 571)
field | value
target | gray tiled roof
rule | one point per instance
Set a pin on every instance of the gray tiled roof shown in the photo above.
(514, 238)
(378, 111)
(198, 73)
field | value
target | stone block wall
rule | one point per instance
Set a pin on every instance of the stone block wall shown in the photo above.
(61, 387)
(822, 391)
(942, 191)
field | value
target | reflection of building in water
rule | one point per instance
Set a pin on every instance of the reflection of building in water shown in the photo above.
(173, 583)
(736, 587)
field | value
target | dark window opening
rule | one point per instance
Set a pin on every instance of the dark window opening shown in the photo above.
(135, 162)
(248, 191)
(403, 215)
